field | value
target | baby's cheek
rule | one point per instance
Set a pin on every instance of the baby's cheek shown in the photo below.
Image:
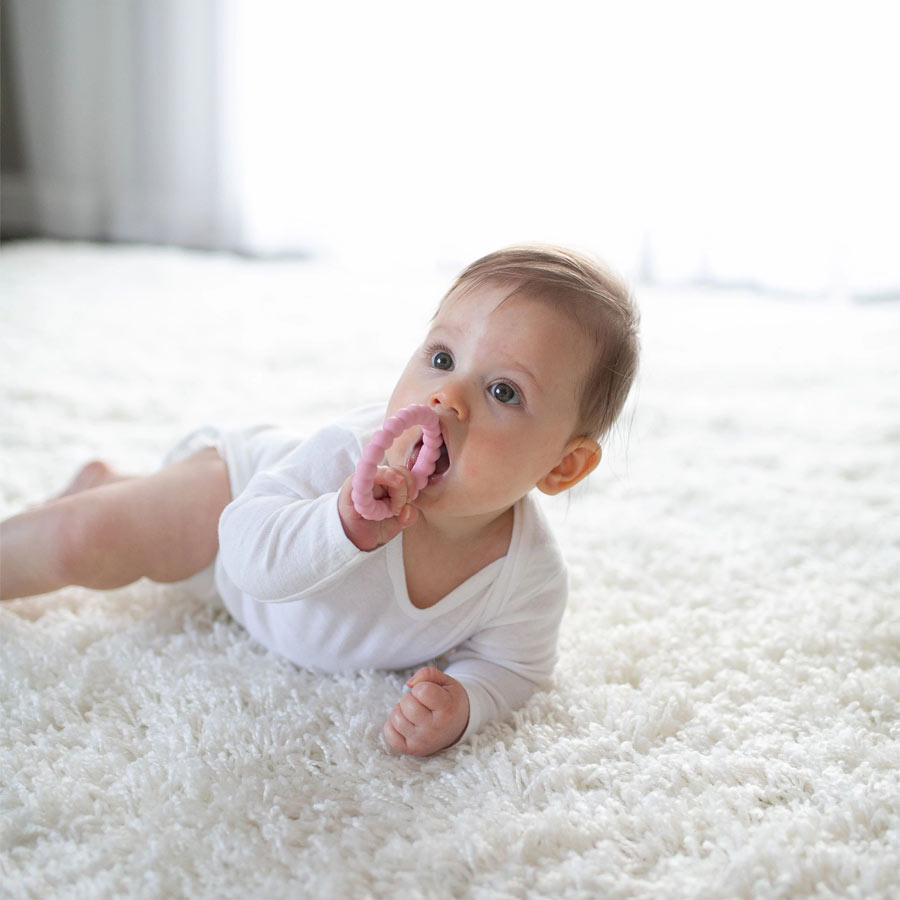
(490, 475)
(506, 459)
(478, 470)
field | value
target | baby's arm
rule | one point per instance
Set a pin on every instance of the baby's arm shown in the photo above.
(282, 536)
(493, 673)
(513, 654)
(266, 533)
(432, 716)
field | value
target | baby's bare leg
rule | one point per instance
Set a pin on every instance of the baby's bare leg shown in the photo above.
(92, 475)
(162, 526)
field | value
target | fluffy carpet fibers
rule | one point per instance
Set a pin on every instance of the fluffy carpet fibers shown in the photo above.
(723, 721)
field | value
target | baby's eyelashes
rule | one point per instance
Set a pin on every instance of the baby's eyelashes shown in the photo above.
(504, 392)
(439, 357)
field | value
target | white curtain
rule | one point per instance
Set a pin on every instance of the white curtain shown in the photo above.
(727, 143)
(120, 111)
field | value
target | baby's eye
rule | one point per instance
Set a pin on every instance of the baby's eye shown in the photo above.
(441, 359)
(505, 393)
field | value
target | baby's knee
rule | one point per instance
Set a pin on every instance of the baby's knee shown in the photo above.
(82, 531)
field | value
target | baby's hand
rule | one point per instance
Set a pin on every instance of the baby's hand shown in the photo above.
(396, 483)
(432, 716)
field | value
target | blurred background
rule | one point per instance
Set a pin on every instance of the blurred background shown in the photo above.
(742, 145)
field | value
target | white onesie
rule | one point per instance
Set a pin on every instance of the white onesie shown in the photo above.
(288, 573)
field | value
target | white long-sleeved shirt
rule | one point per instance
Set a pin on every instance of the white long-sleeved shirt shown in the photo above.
(288, 573)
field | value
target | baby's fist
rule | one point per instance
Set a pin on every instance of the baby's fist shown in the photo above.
(432, 716)
(394, 484)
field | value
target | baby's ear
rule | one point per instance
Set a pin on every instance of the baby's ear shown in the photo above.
(581, 458)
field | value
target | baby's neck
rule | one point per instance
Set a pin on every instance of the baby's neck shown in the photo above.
(465, 534)
(438, 559)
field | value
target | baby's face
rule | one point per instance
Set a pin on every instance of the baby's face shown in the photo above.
(504, 379)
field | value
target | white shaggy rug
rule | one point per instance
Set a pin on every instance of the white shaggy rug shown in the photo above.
(724, 720)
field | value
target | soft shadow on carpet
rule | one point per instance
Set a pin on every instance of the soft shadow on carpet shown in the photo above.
(723, 721)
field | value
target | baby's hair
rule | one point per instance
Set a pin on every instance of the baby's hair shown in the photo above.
(596, 299)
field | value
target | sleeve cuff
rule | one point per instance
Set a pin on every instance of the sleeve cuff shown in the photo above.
(481, 708)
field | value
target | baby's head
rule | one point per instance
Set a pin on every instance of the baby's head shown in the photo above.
(528, 361)
(591, 296)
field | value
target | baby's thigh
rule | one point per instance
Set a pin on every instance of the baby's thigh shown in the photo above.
(162, 526)
(176, 511)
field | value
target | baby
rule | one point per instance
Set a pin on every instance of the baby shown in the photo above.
(528, 362)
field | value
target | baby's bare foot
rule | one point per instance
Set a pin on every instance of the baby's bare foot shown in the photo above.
(91, 475)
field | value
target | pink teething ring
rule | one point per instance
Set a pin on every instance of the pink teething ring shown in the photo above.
(363, 485)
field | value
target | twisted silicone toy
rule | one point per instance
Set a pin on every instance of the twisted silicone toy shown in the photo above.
(362, 487)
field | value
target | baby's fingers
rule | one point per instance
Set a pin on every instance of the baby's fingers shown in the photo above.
(397, 485)
(394, 739)
(400, 723)
(414, 711)
(430, 695)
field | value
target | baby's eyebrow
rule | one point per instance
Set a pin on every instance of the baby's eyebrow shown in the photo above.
(441, 327)
(523, 370)
(515, 367)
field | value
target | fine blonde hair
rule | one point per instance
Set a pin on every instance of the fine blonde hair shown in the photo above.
(595, 298)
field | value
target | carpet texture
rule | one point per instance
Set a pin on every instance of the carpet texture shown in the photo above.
(724, 720)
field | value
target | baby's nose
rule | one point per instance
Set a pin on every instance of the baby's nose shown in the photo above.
(450, 400)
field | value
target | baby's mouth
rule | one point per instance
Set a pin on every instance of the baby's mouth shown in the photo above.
(440, 467)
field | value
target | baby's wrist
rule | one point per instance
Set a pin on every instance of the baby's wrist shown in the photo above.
(349, 519)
